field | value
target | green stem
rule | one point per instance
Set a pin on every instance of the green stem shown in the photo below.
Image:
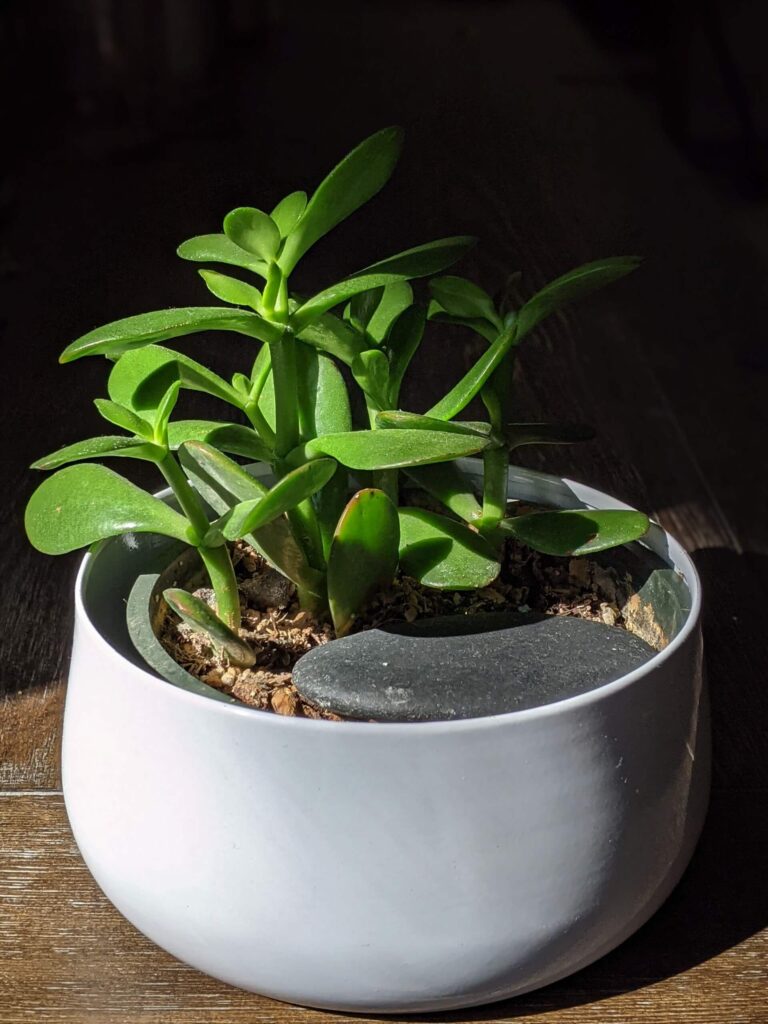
(224, 583)
(283, 354)
(386, 480)
(216, 559)
(495, 471)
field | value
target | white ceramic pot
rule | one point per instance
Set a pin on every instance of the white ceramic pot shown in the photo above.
(383, 867)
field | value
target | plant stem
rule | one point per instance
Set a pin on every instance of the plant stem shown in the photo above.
(224, 582)
(216, 559)
(283, 354)
(495, 470)
(386, 480)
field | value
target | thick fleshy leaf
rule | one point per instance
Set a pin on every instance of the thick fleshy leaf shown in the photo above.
(462, 298)
(201, 617)
(444, 554)
(573, 285)
(237, 439)
(140, 377)
(220, 249)
(486, 330)
(517, 434)
(122, 416)
(363, 555)
(165, 407)
(181, 431)
(288, 211)
(392, 449)
(371, 371)
(295, 487)
(146, 328)
(331, 335)
(420, 261)
(254, 231)
(324, 402)
(85, 503)
(362, 307)
(222, 483)
(402, 344)
(100, 448)
(229, 289)
(395, 298)
(577, 532)
(475, 379)
(446, 482)
(359, 176)
(396, 420)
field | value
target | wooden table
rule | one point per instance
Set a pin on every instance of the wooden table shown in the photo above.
(525, 131)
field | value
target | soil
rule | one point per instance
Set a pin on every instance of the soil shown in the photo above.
(280, 632)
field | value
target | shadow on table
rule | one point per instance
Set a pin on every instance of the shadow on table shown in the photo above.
(721, 900)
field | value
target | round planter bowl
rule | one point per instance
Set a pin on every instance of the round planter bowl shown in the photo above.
(382, 867)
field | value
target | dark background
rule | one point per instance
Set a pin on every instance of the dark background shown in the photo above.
(558, 132)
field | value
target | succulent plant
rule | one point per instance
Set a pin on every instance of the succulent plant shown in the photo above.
(332, 521)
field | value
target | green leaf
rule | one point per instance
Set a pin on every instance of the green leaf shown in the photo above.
(363, 555)
(392, 449)
(446, 482)
(395, 298)
(329, 334)
(288, 211)
(241, 382)
(397, 420)
(573, 285)
(577, 532)
(362, 307)
(222, 483)
(122, 416)
(237, 440)
(286, 494)
(197, 614)
(220, 249)
(437, 314)
(371, 371)
(229, 289)
(146, 328)
(82, 504)
(402, 344)
(517, 434)
(475, 379)
(444, 554)
(254, 231)
(180, 431)
(417, 262)
(165, 407)
(100, 448)
(139, 379)
(324, 400)
(462, 298)
(359, 176)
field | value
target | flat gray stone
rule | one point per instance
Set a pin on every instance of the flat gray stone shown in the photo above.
(465, 667)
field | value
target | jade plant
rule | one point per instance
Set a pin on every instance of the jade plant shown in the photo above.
(332, 521)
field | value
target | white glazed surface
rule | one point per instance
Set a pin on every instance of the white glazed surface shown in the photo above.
(390, 867)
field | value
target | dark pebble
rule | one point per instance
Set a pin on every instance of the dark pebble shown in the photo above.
(465, 667)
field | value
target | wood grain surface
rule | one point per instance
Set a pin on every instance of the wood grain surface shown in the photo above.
(527, 130)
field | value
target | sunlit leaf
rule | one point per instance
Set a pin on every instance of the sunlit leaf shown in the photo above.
(359, 176)
(229, 289)
(85, 503)
(392, 449)
(220, 249)
(371, 371)
(122, 416)
(444, 554)
(146, 328)
(462, 298)
(397, 420)
(100, 448)
(363, 555)
(197, 614)
(139, 379)
(577, 532)
(446, 482)
(288, 211)
(475, 379)
(395, 298)
(254, 231)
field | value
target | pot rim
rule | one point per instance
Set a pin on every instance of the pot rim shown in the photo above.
(683, 563)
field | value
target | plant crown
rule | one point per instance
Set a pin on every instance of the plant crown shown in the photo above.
(332, 521)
